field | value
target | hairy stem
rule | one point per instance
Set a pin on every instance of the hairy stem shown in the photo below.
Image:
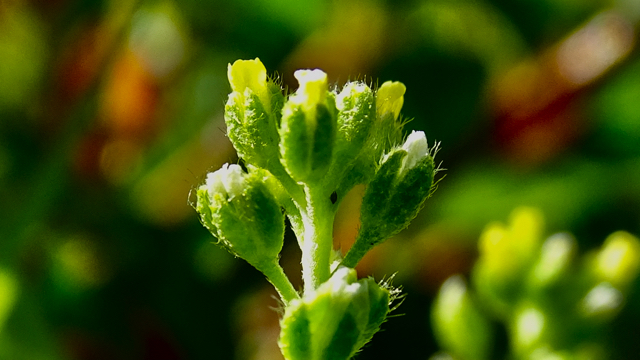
(277, 277)
(364, 242)
(293, 188)
(318, 240)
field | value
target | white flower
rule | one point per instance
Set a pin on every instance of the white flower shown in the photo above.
(228, 180)
(416, 148)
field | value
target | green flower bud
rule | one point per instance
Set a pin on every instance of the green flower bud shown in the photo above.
(388, 130)
(507, 255)
(308, 127)
(9, 292)
(529, 329)
(242, 213)
(334, 321)
(385, 133)
(389, 99)
(556, 256)
(602, 302)
(356, 116)
(618, 262)
(546, 353)
(252, 113)
(395, 195)
(458, 325)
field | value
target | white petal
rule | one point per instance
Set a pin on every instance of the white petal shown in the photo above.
(227, 180)
(214, 182)
(233, 180)
(417, 149)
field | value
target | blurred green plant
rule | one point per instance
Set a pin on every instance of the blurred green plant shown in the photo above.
(553, 303)
(302, 154)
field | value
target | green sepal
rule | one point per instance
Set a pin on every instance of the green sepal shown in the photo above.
(277, 100)
(356, 117)
(294, 141)
(379, 194)
(384, 133)
(252, 130)
(356, 105)
(307, 139)
(324, 137)
(335, 320)
(409, 195)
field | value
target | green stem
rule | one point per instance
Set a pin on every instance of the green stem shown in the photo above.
(364, 242)
(318, 240)
(293, 188)
(277, 277)
(355, 254)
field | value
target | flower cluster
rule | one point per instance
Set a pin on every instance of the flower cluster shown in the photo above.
(303, 153)
(554, 304)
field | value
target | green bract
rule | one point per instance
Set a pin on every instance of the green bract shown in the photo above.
(303, 154)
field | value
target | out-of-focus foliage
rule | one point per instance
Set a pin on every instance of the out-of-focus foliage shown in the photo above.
(111, 111)
(552, 303)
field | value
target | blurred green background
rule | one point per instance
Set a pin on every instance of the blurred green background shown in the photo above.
(111, 111)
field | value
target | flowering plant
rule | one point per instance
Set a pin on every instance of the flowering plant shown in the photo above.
(303, 153)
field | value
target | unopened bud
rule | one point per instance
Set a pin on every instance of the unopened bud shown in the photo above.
(356, 117)
(390, 98)
(252, 113)
(242, 213)
(618, 262)
(529, 329)
(308, 127)
(507, 254)
(458, 324)
(554, 262)
(335, 320)
(395, 195)
(9, 290)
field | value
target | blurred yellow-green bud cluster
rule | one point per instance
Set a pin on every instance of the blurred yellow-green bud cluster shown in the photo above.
(553, 302)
